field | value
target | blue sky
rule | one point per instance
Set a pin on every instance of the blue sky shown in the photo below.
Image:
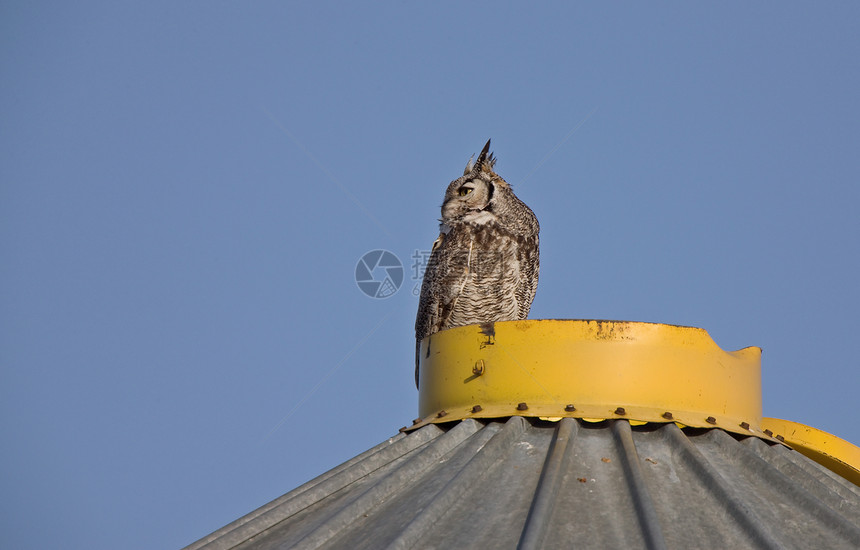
(186, 187)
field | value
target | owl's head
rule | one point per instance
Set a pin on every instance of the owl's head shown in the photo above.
(474, 191)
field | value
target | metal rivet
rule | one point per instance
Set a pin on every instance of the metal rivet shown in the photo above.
(522, 407)
(620, 411)
(416, 421)
(779, 437)
(478, 369)
(569, 408)
(711, 420)
(440, 414)
(768, 433)
(403, 429)
(745, 425)
(667, 415)
(477, 408)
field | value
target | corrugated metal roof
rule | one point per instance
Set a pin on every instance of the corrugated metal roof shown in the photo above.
(527, 483)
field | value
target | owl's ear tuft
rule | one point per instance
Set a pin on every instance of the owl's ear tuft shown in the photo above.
(486, 160)
(469, 165)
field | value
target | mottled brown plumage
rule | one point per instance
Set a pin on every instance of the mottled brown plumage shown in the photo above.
(484, 265)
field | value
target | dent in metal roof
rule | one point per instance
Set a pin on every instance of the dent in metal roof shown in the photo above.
(526, 483)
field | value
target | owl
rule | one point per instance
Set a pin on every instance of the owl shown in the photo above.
(484, 265)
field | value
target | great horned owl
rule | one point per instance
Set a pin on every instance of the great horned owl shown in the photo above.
(484, 265)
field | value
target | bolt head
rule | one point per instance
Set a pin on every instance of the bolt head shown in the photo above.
(478, 369)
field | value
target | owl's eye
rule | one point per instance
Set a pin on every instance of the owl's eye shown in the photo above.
(464, 191)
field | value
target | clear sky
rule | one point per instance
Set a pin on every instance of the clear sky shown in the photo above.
(188, 186)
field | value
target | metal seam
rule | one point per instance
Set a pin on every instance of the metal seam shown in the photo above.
(847, 489)
(744, 515)
(813, 505)
(546, 494)
(476, 469)
(645, 510)
(797, 468)
(408, 473)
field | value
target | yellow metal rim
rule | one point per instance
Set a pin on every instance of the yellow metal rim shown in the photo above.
(643, 372)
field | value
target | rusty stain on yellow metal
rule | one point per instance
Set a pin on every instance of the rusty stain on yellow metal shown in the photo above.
(828, 450)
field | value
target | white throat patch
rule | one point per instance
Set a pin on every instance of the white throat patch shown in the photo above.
(479, 217)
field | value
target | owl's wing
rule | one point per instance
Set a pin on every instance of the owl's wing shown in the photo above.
(529, 268)
(443, 280)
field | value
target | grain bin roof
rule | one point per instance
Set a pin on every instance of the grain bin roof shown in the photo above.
(594, 434)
